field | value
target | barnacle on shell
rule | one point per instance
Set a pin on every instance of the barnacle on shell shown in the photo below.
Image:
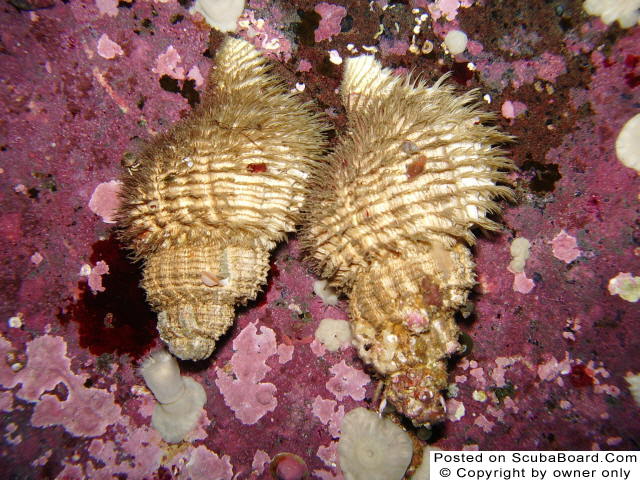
(389, 222)
(211, 197)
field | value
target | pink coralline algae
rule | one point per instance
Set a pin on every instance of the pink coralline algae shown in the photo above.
(511, 109)
(325, 410)
(243, 392)
(285, 353)
(107, 7)
(317, 348)
(167, 64)
(522, 72)
(393, 46)
(474, 47)
(550, 370)
(498, 373)
(136, 452)
(140, 442)
(522, 284)
(85, 412)
(304, 65)
(94, 279)
(455, 410)
(548, 68)
(478, 374)
(81, 90)
(195, 75)
(107, 48)
(328, 454)
(447, 8)
(485, 424)
(36, 258)
(565, 247)
(204, 464)
(331, 16)
(260, 459)
(347, 381)
(6, 401)
(104, 201)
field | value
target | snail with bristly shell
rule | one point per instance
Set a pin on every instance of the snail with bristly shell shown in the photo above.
(208, 200)
(389, 218)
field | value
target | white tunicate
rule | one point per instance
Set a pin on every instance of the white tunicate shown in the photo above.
(333, 333)
(456, 41)
(628, 144)
(519, 254)
(220, 14)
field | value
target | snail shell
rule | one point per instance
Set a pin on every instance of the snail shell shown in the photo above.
(212, 196)
(389, 222)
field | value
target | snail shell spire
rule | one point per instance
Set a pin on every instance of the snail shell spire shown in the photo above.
(389, 221)
(209, 199)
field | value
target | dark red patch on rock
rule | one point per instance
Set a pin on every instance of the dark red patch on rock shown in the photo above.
(118, 320)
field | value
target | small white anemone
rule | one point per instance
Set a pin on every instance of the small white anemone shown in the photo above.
(372, 447)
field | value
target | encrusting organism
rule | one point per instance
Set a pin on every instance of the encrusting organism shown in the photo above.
(389, 218)
(210, 198)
